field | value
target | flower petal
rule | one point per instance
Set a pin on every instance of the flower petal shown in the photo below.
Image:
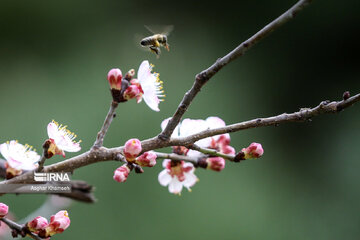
(194, 154)
(164, 178)
(175, 186)
(144, 70)
(4, 150)
(151, 99)
(190, 180)
(52, 130)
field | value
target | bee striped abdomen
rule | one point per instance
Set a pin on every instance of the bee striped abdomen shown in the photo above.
(148, 41)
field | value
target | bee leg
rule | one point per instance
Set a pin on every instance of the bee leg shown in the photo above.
(155, 50)
(166, 46)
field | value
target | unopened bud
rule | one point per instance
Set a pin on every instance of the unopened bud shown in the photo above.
(131, 92)
(114, 77)
(37, 224)
(255, 150)
(4, 209)
(227, 149)
(121, 173)
(132, 149)
(147, 159)
(58, 223)
(216, 163)
(346, 95)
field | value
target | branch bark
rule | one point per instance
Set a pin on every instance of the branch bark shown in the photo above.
(105, 154)
(19, 228)
(105, 127)
(205, 75)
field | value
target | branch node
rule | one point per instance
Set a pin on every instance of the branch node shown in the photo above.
(163, 137)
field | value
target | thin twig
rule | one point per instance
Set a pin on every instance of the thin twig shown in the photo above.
(177, 157)
(205, 75)
(41, 163)
(304, 114)
(105, 154)
(211, 152)
(109, 117)
(19, 228)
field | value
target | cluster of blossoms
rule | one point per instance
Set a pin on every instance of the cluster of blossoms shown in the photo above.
(40, 225)
(21, 158)
(146, 86)
(132, 150)
(178, 174)
(58, 223)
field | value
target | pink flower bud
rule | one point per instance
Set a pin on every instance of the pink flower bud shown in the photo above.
(228, 150)
(255, 150)
(224, 139)
(147, 159)
(121, 173)
(37, 224)
(132, 149)
(58, 223)
(131, 92)
(114, 77)
(215, 163)
(4, 209)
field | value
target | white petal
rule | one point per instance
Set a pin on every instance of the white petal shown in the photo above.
(165, 163)
(192, 126)
(144, 70)
(204, 143)
(215, 122)
(164, 178)
(188, 164)
(175, 186)
(52, 130)
(190, 180)
(70, 147)
(151, 100)
(194, 154)
(14, 163)
(4, 149)
(28, 166)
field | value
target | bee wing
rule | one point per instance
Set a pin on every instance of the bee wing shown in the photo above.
(160, 29)
(167, 30)
(150, 29)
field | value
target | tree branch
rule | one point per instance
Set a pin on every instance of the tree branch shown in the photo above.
(176, 157)
(105, 154)
(305, 114)
(19, 229)
(205, 75)
(211, 152)
(109, 117)
(80, 190)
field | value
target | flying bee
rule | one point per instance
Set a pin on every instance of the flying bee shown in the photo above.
(157, 40)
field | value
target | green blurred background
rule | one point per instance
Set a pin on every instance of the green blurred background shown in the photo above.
(54, 57)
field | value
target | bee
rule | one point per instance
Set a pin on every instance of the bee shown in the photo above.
(157, 40)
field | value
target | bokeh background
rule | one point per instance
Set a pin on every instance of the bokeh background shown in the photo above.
(54, 57)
